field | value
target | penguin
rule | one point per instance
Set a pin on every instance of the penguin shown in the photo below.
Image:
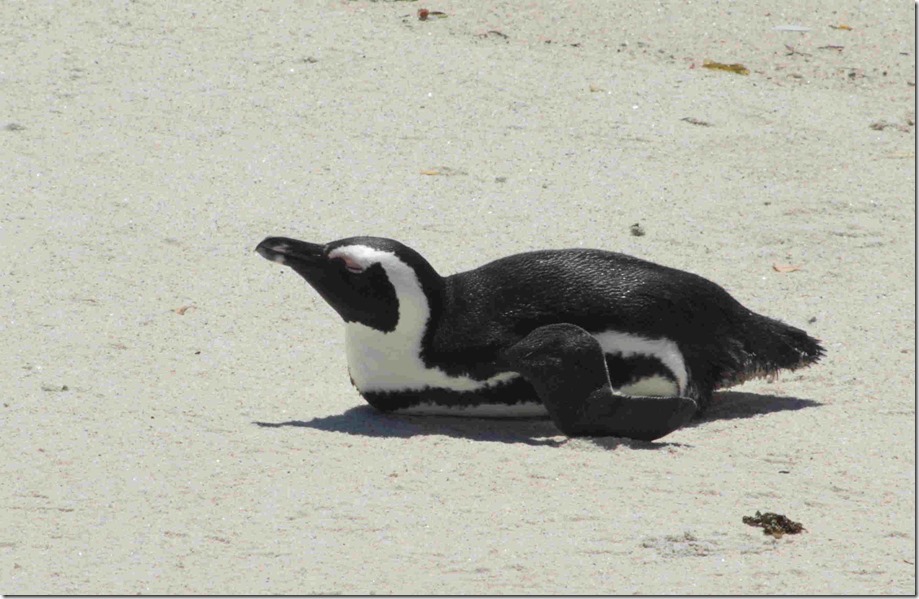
(602, 342)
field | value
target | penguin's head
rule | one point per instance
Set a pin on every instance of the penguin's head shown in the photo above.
(365, 279)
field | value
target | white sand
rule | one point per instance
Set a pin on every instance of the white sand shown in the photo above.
(159, 145)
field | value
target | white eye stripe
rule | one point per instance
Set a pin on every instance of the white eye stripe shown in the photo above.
(363, 257)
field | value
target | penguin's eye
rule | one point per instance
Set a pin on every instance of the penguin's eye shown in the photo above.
(350, 265)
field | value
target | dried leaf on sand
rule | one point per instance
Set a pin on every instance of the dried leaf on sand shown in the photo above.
(785, 267)
(731, 68)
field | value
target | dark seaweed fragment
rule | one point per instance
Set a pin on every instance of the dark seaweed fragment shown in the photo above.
(774, 524)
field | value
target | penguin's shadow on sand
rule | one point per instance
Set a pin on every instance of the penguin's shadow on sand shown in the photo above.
(366, 421)
(735, 405)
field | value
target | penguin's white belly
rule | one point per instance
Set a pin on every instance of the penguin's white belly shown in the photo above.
(381, 362)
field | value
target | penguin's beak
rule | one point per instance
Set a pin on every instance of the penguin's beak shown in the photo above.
(290, 252)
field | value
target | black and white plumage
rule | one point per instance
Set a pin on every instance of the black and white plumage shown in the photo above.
(421, 343)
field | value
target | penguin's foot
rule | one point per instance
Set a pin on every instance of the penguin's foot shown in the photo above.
(642, 418)
(567, 367)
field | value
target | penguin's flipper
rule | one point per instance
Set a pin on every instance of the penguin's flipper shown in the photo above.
(567, 367)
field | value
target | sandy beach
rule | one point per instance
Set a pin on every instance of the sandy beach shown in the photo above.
(177, 414)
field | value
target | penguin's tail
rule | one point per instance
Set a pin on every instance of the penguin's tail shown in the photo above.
(768, 346)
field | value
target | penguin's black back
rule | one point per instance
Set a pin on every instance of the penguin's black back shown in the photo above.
(497, 304)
